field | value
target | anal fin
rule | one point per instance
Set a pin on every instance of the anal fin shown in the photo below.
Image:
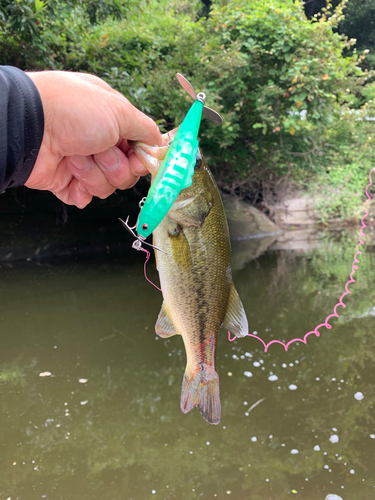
(164, 326)
(235, 319)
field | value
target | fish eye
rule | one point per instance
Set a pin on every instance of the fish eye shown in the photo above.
(198, 164)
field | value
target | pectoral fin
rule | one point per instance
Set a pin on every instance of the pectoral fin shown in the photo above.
(235, 319)
(164, 326)
(180, 213)
(184, 220)
(180, 248)
(181, 203)
(191, 211)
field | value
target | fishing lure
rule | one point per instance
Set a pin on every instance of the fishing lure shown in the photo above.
(176, 171)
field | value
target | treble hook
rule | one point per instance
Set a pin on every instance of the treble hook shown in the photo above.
(137, 244)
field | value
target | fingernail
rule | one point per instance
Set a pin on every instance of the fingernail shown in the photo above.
(81, 162)
(108, 160)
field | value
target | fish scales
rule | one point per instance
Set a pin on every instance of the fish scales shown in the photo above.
(196, 295)
(196, 282)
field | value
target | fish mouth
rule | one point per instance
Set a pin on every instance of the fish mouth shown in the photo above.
(167, 138)
(142, 149)
(152, 156)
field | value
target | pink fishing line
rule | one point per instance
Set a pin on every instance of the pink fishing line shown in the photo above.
(335, 314)
(144, 267)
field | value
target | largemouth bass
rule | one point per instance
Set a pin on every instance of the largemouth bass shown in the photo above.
(196, 280)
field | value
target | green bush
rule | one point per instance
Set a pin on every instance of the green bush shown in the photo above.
(280, 81)
(40, 34)
(339, 189)
(359, 23)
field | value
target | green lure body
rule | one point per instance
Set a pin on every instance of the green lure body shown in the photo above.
(175, 173)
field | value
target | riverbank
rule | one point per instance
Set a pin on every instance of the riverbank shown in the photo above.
(35, 226)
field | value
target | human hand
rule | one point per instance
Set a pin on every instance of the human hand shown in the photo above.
(84, 152)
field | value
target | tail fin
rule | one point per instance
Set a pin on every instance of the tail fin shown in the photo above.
(202, 390)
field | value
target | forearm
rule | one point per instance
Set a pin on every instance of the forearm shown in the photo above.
(21, 126)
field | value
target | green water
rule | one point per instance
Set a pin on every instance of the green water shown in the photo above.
(104, 421)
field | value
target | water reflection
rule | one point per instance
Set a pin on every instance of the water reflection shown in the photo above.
(89, 402)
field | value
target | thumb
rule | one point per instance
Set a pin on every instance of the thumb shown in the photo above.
(135, 125)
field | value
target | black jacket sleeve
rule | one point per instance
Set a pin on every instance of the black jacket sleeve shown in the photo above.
(21, 126)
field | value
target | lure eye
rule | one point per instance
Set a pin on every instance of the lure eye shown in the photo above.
(145, 227)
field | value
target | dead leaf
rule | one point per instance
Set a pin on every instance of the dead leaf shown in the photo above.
(103, 40)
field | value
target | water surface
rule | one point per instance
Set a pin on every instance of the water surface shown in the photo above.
(89, 396)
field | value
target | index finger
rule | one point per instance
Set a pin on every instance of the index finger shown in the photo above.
(136, 166)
